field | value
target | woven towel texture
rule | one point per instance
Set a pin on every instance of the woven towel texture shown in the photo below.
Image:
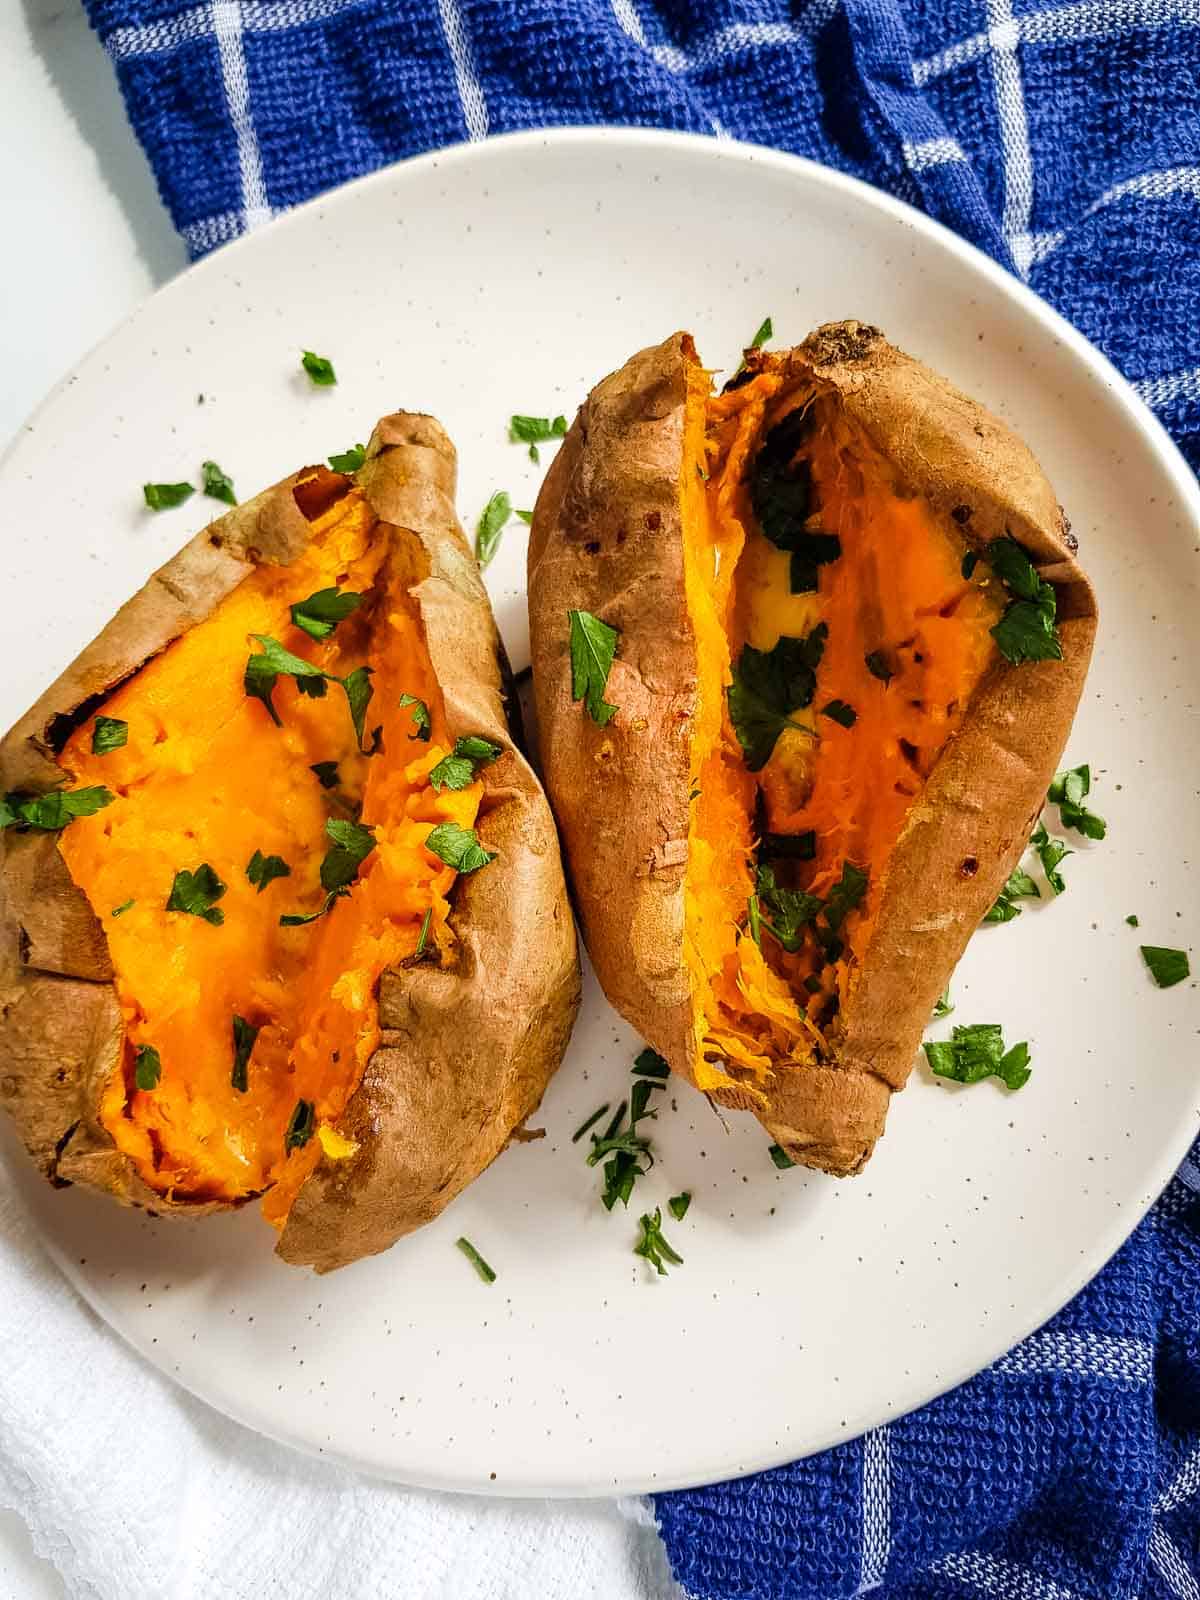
(1064, 139)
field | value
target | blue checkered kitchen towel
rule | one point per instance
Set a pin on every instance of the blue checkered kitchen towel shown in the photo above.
(1062, 138)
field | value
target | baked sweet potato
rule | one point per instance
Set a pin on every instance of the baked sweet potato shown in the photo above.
(850, 636)
(281, 905)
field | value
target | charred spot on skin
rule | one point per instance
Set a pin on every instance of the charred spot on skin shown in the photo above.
(653, 521)
(606, 752)
(961, 515)
(969, 867)
(592, 547)
(216, 541)
(24, 945)
(1064, 523)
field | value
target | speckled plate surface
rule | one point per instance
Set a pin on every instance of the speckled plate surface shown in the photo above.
(509, 277)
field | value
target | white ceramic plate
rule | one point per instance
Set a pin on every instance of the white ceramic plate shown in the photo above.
(508, 277)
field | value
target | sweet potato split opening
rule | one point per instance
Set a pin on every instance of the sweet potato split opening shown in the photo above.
(836, 605)
(205, 777)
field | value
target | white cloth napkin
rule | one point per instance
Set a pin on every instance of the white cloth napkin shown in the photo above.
(136, 1491)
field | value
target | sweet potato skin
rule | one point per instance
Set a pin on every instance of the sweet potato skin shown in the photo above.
(466, 1050)
(965, 832)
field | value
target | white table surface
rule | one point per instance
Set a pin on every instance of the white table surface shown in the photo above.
(92, 240)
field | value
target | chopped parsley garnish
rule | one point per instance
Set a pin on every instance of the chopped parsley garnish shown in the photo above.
(301, 1126)
(357, 685)
(839, 711)
(263, 670)
(320, 614)
(349, 461)
(1026, 631)
(622, 1149)
(216, 485)
(944, 1004)
(490, 526)
(1167, 967)
(653, 1247)
(458, 769)
(319, 369)
(147, 1067)
(780, 1157)
(458, 847)
(51, 812)
(768, 686)
(352, 844)
(1050, 853)
(649, 1064)
(262, 870)
(765, 331)
(108, 733)
(969, 562)
(679, 1204)
(1068, 792)
(877, 665)
(166, 496)
(1020, 886)
(326, 773)
(1131, 920)
(788, 846)
(197, 893)
(534, 431)
(593, 646)
(782, 495)
(590, 1123)
(845, 896)
(525, 516)
(476, 1260)
(976, 1051)
(790, 910)
(119, 911)
(422, 727)
(244, 1035)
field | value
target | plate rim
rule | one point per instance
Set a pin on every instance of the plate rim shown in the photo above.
(1138, 417)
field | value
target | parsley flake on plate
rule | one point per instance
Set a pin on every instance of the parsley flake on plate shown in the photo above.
(216, 485)
(476, 1260)
(1167, 967)
(319, 369)
(976, 1051)
(1020, 886)
(534, 431)
(653, 1246)
(166, 496)
(492, 522)
(1068, 792)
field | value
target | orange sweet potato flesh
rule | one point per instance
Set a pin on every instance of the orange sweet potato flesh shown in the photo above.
(917, 793)
(206, 775)
(895, 595)
(406, 1031)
